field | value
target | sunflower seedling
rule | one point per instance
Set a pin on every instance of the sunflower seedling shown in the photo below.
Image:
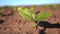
(31, 16)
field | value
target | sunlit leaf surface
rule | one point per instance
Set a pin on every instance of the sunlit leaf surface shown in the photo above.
(43, 15)
(26, 13)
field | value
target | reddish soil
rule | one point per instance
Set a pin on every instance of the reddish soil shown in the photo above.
(15, 24)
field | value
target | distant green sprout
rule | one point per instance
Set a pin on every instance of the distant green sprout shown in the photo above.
(45, 6)
(31, 16)
(14, 9)
(5, 6)
(54, 6)
(1, 10)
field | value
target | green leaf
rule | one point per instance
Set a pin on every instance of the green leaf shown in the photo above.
(43, 15)
(29, 12)
(20, 8)
(32, 11)
(26, 13)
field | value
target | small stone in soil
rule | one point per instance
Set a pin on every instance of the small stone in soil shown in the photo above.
(19, 21)
(5, 28)
(0, 27)
(29, 33)
(16, 20)
(18, 33)
(42, 32)
(20, 28)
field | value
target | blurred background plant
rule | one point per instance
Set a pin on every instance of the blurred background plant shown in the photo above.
(1, 10)
(54, 6)
(45, 6)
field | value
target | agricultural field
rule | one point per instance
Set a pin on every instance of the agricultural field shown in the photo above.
(42, 19)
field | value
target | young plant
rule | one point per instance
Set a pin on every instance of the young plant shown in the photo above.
(1, 10)
(45, 6)
(5, 6)
(54, 6)
(31, 16)
(14, 9)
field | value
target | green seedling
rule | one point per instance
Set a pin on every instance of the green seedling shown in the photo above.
(54, 6)
(1, 10)
(29, 15)
(14, 9)
(45, 6)
(5, 6)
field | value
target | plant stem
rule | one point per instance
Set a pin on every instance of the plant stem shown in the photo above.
(37, 24)
(36, 21)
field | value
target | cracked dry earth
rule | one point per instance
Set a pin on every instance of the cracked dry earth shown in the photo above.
(15, 24)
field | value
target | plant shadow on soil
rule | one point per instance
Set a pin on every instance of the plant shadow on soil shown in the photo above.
(1, 21)
(46, 24)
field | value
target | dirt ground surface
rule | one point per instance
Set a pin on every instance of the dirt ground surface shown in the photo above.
(15, 24)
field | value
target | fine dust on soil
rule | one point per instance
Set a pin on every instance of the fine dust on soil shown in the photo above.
(15, 24)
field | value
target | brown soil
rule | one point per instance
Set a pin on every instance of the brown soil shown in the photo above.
(15, 24)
